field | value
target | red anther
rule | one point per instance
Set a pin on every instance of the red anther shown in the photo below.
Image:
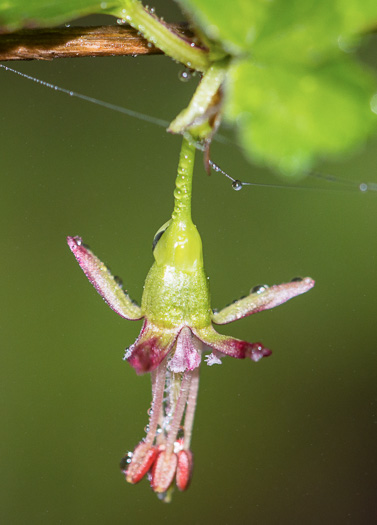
(163, 471)
(184, 469)
(142, 459)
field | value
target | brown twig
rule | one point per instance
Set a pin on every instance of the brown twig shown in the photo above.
(68, 42)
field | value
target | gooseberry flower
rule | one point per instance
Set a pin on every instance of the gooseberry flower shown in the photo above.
(177, 331)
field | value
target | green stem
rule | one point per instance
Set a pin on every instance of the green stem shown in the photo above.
(201, 101)
(160, 35)
(183, 182)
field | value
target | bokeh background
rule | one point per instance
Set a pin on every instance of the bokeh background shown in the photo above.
(291, 439)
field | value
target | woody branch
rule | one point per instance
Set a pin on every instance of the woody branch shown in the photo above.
(78, 42)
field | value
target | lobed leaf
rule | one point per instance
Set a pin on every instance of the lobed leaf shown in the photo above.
(17, 14)
(288, 116)
(305, 27)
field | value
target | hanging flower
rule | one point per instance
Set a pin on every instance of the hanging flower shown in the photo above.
(177, 331)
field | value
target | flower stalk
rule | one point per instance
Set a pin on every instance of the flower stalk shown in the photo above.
(158, 33)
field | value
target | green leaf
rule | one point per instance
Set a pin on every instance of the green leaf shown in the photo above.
(234, 24)
(17, 14)
(292, 92)
(268, 27)
(288, 116)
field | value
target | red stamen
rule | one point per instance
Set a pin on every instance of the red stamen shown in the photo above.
(142, 459)
(184, 469)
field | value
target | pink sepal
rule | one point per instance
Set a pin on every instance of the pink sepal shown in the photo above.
(102, 280)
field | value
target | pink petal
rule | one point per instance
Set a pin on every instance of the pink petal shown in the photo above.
(150, 348)
(103, 281)
(257, 302)
(187, 354)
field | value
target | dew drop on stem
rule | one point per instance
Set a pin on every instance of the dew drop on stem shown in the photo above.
(184, 75)
(237, 185)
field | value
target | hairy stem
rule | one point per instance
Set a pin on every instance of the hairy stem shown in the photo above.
(202, 99)
(159, 34)
(183, 182)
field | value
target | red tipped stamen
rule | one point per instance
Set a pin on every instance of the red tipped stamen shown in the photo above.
(142, 459)
(163, 471)
(184, 469)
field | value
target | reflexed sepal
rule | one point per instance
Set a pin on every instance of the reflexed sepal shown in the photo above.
(263, 300)
(150, 348)
(102, 280)
(230, 346)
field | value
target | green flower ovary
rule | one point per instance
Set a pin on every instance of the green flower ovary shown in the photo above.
(176, 290)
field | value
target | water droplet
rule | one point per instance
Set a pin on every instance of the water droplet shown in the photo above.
(259, 288)
(118, 280)
(237, 185)
(363, 187)
(296, 279)
(125, 461)
(184, 75)
(146, 428)
(149, 45)
(152, 10)
(67, 25)
(103, 5)
(149, 412)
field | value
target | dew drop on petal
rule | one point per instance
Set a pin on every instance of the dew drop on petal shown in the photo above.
(259, 288)
(119, 281)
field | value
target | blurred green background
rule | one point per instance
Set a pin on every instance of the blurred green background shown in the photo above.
(291, 439)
